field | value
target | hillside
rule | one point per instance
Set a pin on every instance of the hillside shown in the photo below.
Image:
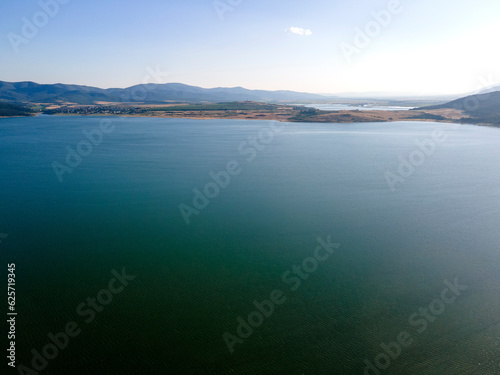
(31, 92)
(482, 108)
(10, 110)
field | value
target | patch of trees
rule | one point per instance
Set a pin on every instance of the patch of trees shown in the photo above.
(8, 110)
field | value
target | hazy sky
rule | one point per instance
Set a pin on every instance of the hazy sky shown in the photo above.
(427, 46)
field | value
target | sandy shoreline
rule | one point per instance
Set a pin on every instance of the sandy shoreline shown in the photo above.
(345, 116)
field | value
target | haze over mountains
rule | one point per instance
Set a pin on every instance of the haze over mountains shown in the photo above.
(31, 92)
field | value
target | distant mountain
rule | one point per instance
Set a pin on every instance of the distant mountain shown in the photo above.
(482, 108)
(31, 92)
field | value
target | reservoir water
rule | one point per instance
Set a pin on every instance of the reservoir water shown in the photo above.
(253, 247)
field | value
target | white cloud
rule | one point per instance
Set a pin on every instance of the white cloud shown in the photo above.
(299, 31)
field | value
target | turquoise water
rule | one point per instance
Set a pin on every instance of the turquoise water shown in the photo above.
(119, 208)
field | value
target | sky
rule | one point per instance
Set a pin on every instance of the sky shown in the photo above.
(323, 46)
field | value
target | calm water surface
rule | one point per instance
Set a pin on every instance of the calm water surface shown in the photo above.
(119, 208)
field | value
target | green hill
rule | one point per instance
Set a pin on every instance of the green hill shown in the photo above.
(482, 108)
(31, 92)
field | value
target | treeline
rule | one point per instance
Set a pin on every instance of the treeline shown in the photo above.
(93, 110)
(231, 106)
(428, 116)
(492, 119)
(304, 114)
(10, 110)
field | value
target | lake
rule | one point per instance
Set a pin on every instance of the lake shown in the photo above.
(172, 246)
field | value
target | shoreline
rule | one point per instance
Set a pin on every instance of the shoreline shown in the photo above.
(275, 118)
(323, 117)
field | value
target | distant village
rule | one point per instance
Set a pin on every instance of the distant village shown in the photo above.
(96, 109)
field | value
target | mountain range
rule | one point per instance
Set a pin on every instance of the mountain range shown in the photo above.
(31, 92)
(483, 107)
